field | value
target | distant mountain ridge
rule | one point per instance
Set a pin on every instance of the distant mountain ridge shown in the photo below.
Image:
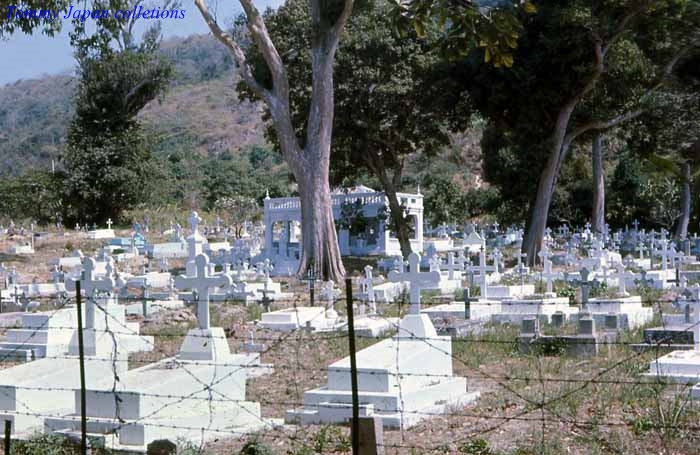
(199, 114)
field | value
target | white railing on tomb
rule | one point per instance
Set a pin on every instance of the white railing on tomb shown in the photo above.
(375, 198)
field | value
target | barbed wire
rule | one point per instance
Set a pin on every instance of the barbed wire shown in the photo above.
(116, 327)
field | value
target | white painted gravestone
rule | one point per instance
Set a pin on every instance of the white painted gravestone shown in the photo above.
(401, 380)
(198, 395)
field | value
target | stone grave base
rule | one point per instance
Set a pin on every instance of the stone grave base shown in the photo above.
(101, 234)
(677, 366)
(46, 387)
(170, 400)
(318, 318)
(481, 310)
(373, 326)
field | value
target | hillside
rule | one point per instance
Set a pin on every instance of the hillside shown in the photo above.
(200, 113)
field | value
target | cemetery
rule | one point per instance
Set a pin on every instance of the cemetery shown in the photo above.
(367, 228)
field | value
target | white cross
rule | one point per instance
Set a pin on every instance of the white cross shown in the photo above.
(89, 284)
(435, 263)
(417, 280)
(641, 248)
(267, 268)
(109, 223)
(544, 253)
(496, 255)
(399, 264)
(664, 254)
(548, 275)
(194, 221)
(483, 268)
(451, 266)
(621, 280)
(201, 283)
(367, 287)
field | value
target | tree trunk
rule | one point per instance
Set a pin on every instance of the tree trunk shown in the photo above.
(398, 221)
(320, 251)
(682, 226)
(539, 212)
(598, 215)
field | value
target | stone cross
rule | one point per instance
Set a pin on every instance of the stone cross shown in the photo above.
(267, 268)
(435, 263)
(266, 300)
(585, 285)
(549, 276)
(399, 264)
(417, 280)
(56, 274)
(496, 255)
(89, 284)
(201, 283)
(483, 268)
(451, 266)
(194, 221)
(641, 248)
(621, 280)
(109, 223)
(664, 254)
(367, 287)
(544, 253)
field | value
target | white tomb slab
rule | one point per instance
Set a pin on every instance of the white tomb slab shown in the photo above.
(479, 310)
(22, 249)
(402, 380)
(514, 311)
(319, 319)
(172, 398)
(630, 310)
(683, 366)
(101, 234)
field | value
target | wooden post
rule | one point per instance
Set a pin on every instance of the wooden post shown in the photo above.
(8, 434)
(81, 354)
(355, 432)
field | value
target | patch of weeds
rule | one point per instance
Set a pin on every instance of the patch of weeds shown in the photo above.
(253, 312)
(329, 439)
(475, 447)
(255, 447)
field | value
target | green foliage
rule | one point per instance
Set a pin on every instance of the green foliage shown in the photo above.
(444, 202)
(108, 160)
(237, 210)
(475, 447)
(31, 196)
(255, 447)
(44, 444)
(462, 24)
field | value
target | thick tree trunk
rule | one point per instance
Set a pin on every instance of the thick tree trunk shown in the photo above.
(684, 220)
(320, 251)
(598, 215)
(398, 221)
(539, 212)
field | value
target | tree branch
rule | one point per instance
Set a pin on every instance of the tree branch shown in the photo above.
(264, 43)
(602, 126)
(234, 48)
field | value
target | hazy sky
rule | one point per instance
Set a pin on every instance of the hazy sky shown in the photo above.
(30, 56)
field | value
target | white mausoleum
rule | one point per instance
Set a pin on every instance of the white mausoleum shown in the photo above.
(283, 224)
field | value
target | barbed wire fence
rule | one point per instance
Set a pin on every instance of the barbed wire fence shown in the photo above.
(296, 355)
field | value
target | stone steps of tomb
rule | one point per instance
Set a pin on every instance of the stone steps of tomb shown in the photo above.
(226, 419)
(24, 352)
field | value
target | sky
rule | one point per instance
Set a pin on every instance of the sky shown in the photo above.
(31, 56)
